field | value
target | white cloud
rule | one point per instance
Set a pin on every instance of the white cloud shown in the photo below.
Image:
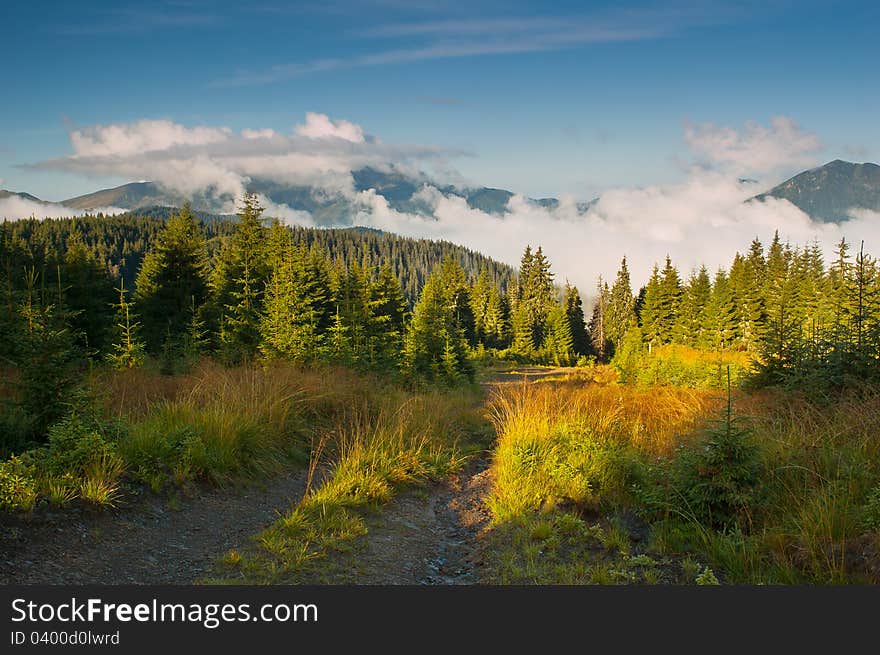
(704, 219)
(122, 139)
(266, 133)
(319, 126)
(756, 149)
(218, 163)
(15, 207)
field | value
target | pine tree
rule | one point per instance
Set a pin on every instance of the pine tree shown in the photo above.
(172, 277)
(353, 311)
(748, 302)
(599, 341)
(87, 296)
(574, 312)
(436, 348)
(558, 342)
(128, 350)
(239, 281)
(691, 318)
(496, 322)
(535, 299)
(652, 315)
(670, 285)
(620, 307)
(720, 318)
(458, 297)
(45, 358)
(387, 314)
(480, 295)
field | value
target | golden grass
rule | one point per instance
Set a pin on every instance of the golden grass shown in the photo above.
(567, 442)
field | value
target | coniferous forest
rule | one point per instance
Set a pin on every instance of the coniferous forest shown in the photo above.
(720, 422)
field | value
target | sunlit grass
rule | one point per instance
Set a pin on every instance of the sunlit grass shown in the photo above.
(596, 450)
(409, 438)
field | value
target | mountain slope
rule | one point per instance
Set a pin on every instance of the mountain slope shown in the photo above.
(134, 195)
(400, 190)
(829, 192)
(20, 194)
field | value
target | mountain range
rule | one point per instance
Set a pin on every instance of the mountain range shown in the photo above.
(829, 192)
(826, 193)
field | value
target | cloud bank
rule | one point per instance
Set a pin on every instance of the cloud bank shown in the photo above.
(703, 219)
(16, 207)
(219, 163)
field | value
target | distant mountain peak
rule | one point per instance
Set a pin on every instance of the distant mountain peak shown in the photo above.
(829, 192)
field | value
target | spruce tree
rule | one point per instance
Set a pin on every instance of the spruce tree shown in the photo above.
(720, 318)
(87, 296)
(535, 299)
(387, 306)
(239, 282)
(45, 357)
(496, 322)
(128, 350)
(599, 342)
(172, 277)
(436, 348)
(574, 312)
(691, 318)
(558, 343)
(620, 307)
(652, 314)
(748, 302)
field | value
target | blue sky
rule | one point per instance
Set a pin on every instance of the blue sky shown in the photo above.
(545, 98)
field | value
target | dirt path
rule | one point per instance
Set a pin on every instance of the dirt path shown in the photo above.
(146, 543)
(427, 536)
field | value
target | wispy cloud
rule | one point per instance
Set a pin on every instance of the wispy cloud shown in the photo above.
(124, 20)
(475, 37)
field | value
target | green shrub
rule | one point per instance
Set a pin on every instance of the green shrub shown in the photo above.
(78, 440)
(716, 478)
(18, 488)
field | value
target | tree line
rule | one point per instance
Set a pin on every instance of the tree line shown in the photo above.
(804, 322)
(246, 290)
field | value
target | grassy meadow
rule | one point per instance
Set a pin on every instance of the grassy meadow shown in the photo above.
(607, 483)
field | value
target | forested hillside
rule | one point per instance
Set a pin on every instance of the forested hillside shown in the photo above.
(120, 242)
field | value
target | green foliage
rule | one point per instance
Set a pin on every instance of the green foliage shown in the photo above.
(87, 295)
(574, 314)
(238, 284)
(45, 358)
(128, 351)
(18, 488)
(620, 308)
(600, 341)
(558, 342)
(79, 441)
(716, 478)
(436, 348)
(172, 278)
(679, 366)
(533, 300)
